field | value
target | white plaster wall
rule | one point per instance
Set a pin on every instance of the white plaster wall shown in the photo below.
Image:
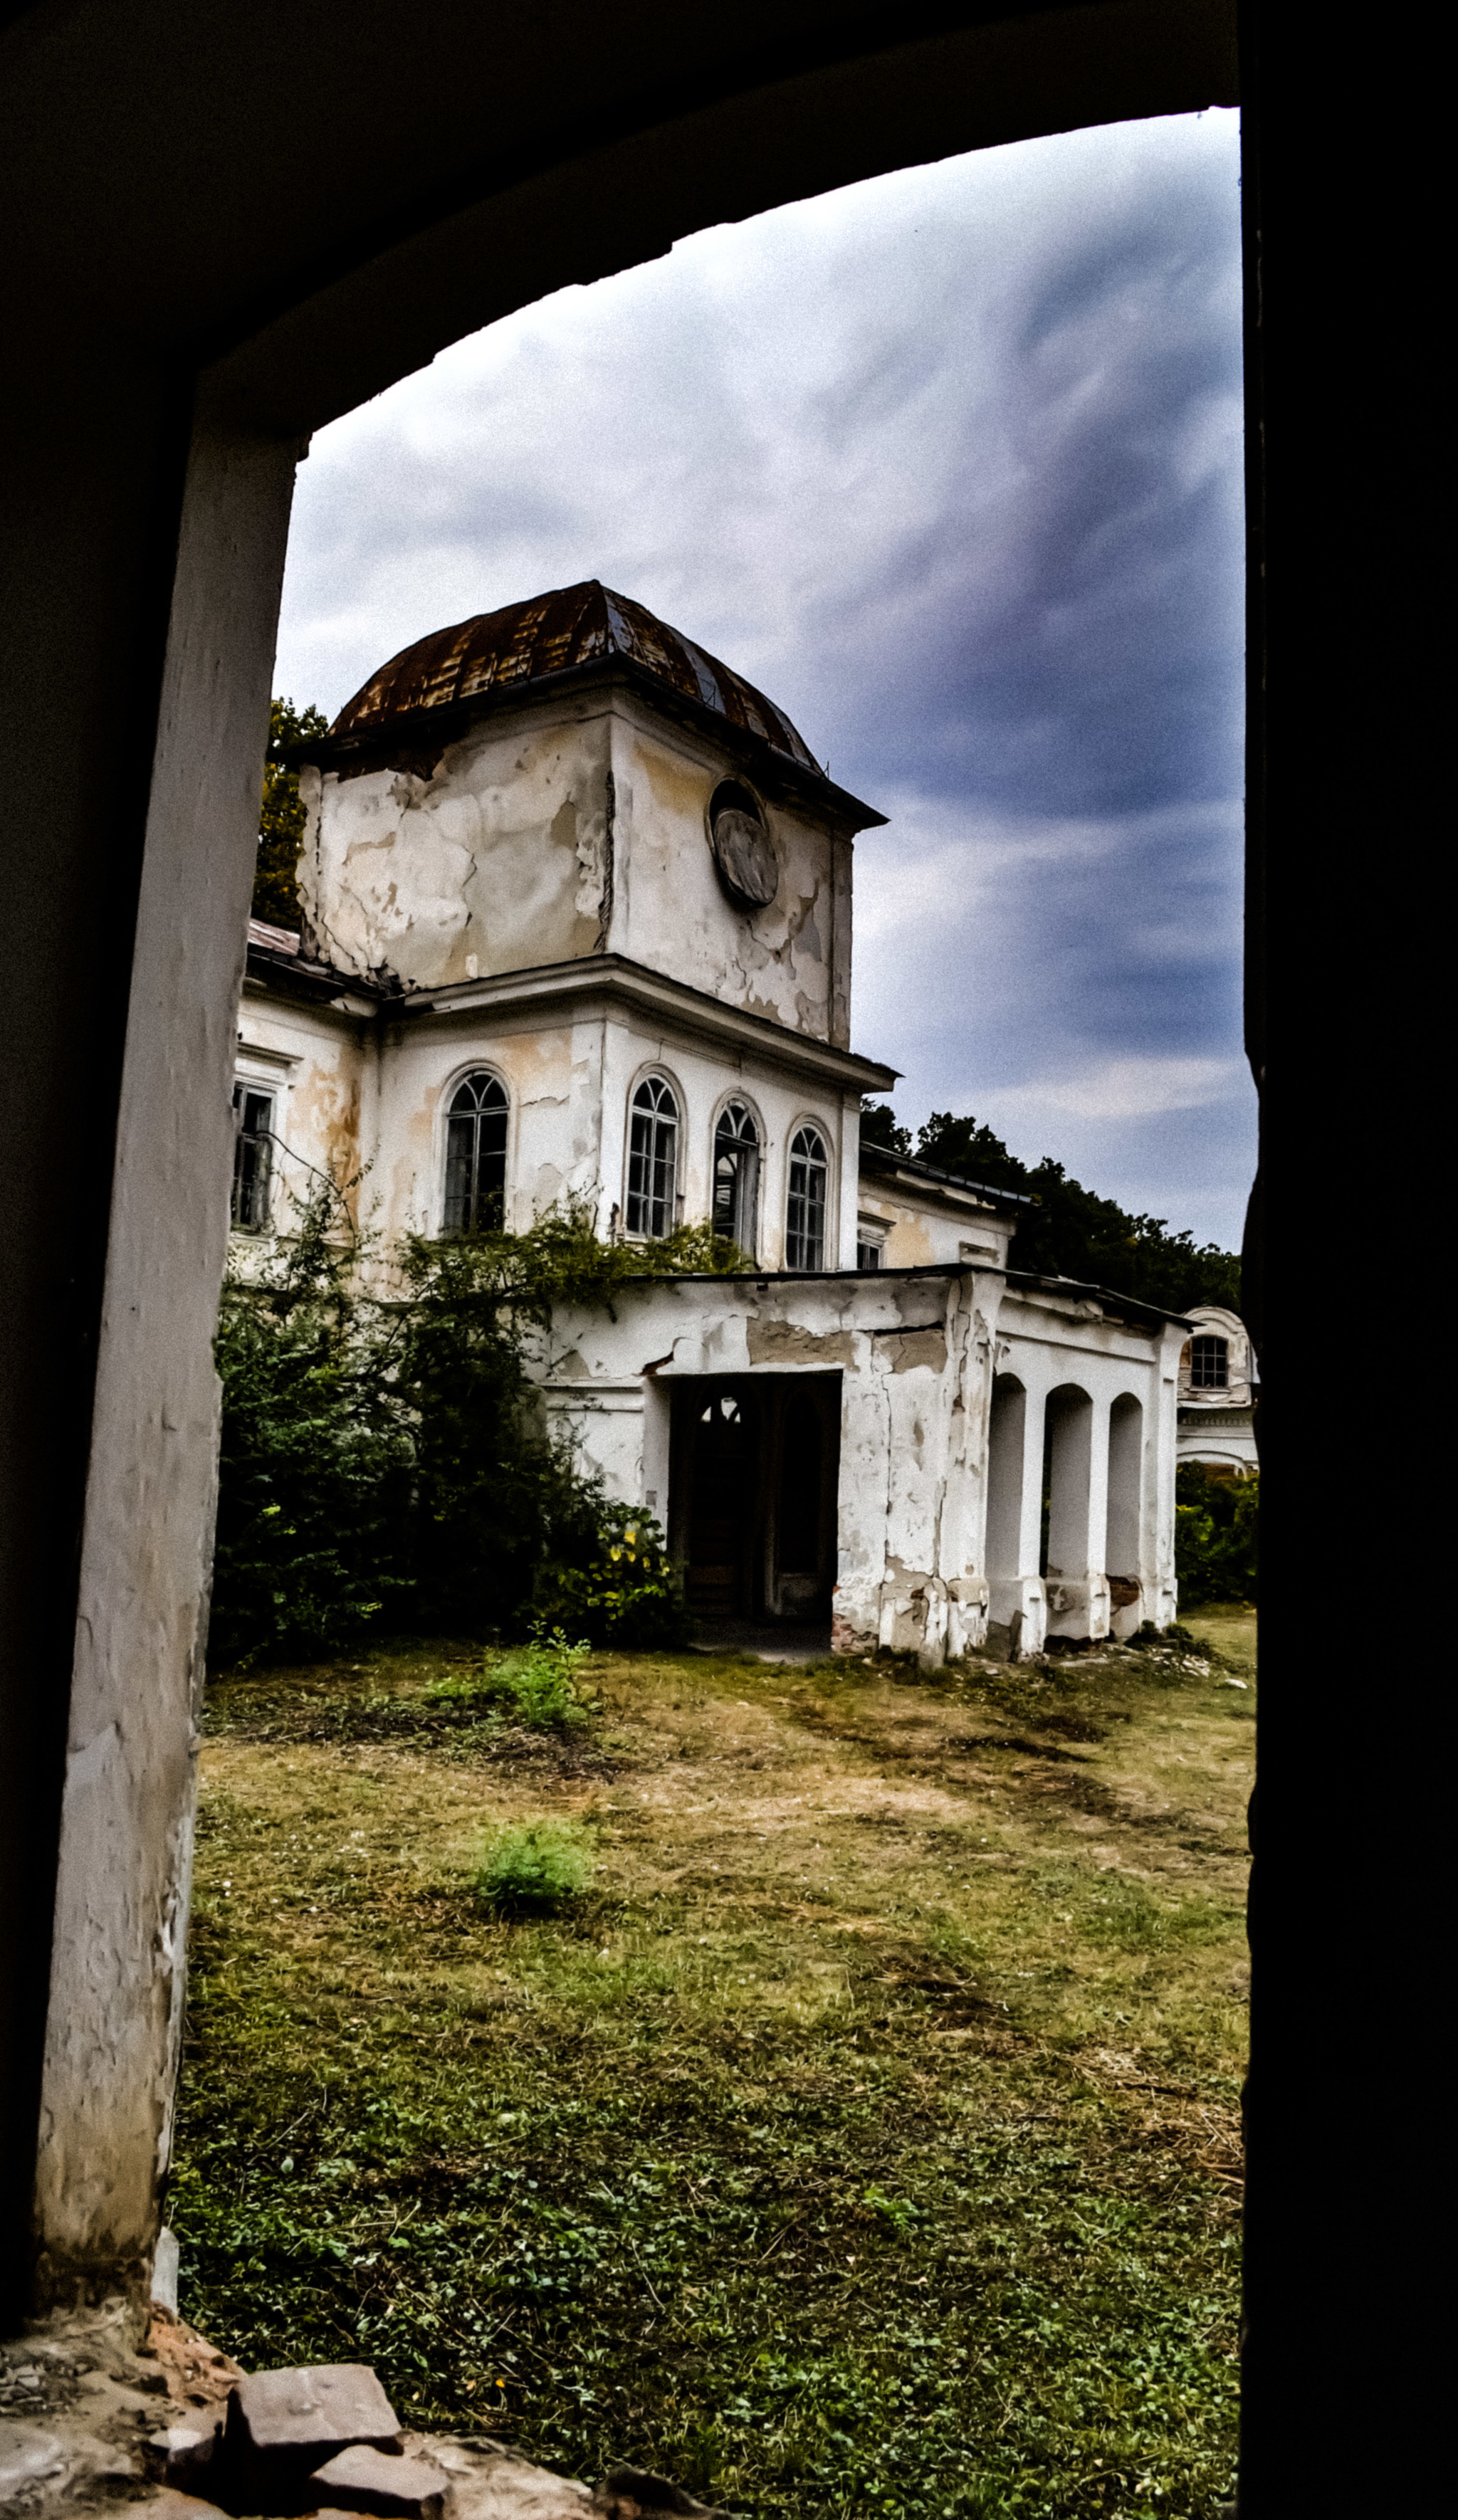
(915, 1361)
(789, 961)
(1232, 1446)
(552, 1073)
(497, 861)
(569, 1086)
(115, 2013)
(319, 1066)
(924, 1227)
(566, 828)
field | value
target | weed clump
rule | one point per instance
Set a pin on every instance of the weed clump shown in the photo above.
(535, 1684)
(537, 1865)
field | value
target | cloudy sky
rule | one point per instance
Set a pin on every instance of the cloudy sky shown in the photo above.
(951, 465)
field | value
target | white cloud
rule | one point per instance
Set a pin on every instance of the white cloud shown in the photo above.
(1119, 1089)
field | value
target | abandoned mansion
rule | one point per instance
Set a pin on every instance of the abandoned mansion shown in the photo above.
(576, 924)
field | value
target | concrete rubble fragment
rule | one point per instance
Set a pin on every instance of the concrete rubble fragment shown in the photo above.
(309, 2414)
(397, 2488)
(78, 2423)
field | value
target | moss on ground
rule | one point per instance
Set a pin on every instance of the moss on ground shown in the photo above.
(862, 2141)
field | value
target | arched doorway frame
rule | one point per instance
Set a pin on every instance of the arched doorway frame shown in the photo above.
(152, 442)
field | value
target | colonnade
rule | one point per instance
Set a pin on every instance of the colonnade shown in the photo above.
(1072, 1514)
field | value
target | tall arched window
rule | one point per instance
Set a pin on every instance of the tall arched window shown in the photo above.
(476, 1156)
(804, 1215)
(1210, 1362)
(736, 1176)
(653, 1160)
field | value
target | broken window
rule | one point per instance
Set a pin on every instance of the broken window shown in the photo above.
(476, 1156)
(804, 1218)
(253, 1150)
(1210, 1362)
(653, 1160)
(735, 1177)
(870, 1246)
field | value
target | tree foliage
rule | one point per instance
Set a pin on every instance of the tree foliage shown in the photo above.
(291, 732)
(1069, 1232)
(315, 1472)
(1217, 1536)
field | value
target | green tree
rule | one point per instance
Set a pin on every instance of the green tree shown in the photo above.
(1072, 1232)
(290, 733)
(1217, 1536)
(880, 1128)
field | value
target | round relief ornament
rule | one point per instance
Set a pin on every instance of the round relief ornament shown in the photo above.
(743, 850)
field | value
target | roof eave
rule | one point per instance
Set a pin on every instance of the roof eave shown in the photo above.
(430, 729)
(886, 1159)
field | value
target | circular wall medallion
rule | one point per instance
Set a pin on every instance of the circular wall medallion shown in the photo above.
(742, 850)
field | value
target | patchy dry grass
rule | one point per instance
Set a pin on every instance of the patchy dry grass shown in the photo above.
(862, 2141)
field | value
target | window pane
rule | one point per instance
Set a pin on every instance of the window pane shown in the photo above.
(640, 1153)
(1208, 1363)
(804, 1218)
(251, 1150)
(814, 1217)
(726, 1193)
(653, 1160)
(664, 1148)
(475, 1133)
(460, 1166)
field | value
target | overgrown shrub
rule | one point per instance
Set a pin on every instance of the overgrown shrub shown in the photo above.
(384, 1456)
(315, 1476)
(537, 1865)
(1217, 1536)
(629, 1594)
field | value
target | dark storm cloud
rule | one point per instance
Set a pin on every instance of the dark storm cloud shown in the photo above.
(951, 465)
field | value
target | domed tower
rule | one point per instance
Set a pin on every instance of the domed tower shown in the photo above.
(569, 777)
(599, 894)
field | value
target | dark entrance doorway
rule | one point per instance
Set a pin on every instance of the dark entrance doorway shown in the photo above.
(752, 1495)
(724, 1460)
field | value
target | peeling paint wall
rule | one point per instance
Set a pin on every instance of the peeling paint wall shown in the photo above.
(923, 1225)
(789, 961)
(914, 1358)
(370, 1093)
(571, 827)
(917, 1358)
(498, 860)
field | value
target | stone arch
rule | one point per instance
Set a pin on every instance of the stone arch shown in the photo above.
(1124, 1545)
(1007, 1436)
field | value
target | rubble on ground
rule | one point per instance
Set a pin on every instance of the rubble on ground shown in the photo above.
(178, 2431)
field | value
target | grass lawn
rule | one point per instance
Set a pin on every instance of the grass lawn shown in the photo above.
(863, 2140)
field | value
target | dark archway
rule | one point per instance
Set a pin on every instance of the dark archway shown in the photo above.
(186, 319)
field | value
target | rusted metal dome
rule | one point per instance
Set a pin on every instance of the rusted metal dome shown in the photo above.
(552, 635)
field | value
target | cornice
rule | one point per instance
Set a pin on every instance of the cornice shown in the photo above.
(617, 980)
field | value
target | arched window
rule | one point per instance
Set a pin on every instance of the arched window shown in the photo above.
(1210, 1362)
(653, 1160)
(804, 1215)
(736, 1176)
(476, 1156)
